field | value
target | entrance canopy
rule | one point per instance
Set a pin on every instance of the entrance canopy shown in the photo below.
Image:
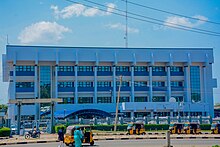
(85, 113)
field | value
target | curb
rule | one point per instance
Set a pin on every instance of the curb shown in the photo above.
(99, 139)
(108, 134)
(4, 138)
(139, 138)
(30, 142)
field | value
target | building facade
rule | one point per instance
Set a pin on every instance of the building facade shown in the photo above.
(156, 81)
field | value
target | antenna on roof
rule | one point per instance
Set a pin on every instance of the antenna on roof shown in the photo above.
(126, 27)
(7, 39)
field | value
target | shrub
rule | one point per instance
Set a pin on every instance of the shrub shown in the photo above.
(149, 127)
(103, 127)
(5, 132)
(58, 127)
(205, 126)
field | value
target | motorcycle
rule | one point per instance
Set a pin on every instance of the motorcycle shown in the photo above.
(33, 134)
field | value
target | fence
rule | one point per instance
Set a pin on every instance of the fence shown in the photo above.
(45, 125)
(146, 120)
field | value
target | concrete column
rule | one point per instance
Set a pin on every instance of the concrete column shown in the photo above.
(187, 84)
(132, 114)
(150, 84)
(152, 114)
(114, 85)
(14, 82)
(95, 85)
(132, 83)
(204, 84)
(171, 113)
(168, 84)
(56, 81)
(76, 84)
(37, 105)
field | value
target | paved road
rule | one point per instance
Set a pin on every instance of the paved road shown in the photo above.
(139, 143)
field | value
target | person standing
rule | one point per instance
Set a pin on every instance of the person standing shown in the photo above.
(61, 137)
(78, 137)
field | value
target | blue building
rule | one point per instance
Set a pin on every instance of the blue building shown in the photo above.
(156, 81)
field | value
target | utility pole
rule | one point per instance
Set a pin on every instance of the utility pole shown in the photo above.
(116, 111)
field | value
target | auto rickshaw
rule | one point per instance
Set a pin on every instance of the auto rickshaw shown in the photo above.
(215, 128)
(136, 128)
(87, 133)
(176, 128)
(192, 128)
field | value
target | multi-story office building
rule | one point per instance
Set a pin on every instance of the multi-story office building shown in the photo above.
(156, 81)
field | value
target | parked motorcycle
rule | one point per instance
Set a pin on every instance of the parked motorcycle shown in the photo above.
(32, 134)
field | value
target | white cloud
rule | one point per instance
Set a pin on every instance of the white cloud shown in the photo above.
(42, 32)
(81, 10)
(110, 8)
(119, 26)
(174, 21)
(90, 12)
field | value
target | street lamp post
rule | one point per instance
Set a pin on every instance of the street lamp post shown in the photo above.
(64, 113)
(116, 111)
(111, 95)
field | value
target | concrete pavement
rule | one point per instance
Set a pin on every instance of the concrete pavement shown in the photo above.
(138, 143)
(48, 138)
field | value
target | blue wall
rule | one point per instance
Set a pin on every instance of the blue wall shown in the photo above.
(23, 73)
(159, 73)
(104, 89)
(104, 73)
(66, 89)
(123, 73)
(64, 73)
(144, 88)
(85, 73)
(136, 73)
(85, 89)
(30, 89)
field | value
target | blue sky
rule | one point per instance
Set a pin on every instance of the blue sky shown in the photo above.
(59, 22)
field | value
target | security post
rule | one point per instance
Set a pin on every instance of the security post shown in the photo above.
(19, 102)
(52, 116)
(168, 139)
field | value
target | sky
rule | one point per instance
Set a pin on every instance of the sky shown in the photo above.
(66, 23)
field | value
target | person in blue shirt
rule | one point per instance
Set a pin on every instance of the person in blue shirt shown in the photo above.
(61, 137)
(78, 136)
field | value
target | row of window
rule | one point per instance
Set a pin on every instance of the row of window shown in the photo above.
(195, 83)
(82, 100)
(107, 68)
(24, 68)
(103, 84)
(24, 84)
(106, 99)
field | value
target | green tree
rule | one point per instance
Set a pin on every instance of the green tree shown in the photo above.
(3, 107)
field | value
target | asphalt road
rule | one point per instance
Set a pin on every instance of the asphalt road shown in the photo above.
(139, 143)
